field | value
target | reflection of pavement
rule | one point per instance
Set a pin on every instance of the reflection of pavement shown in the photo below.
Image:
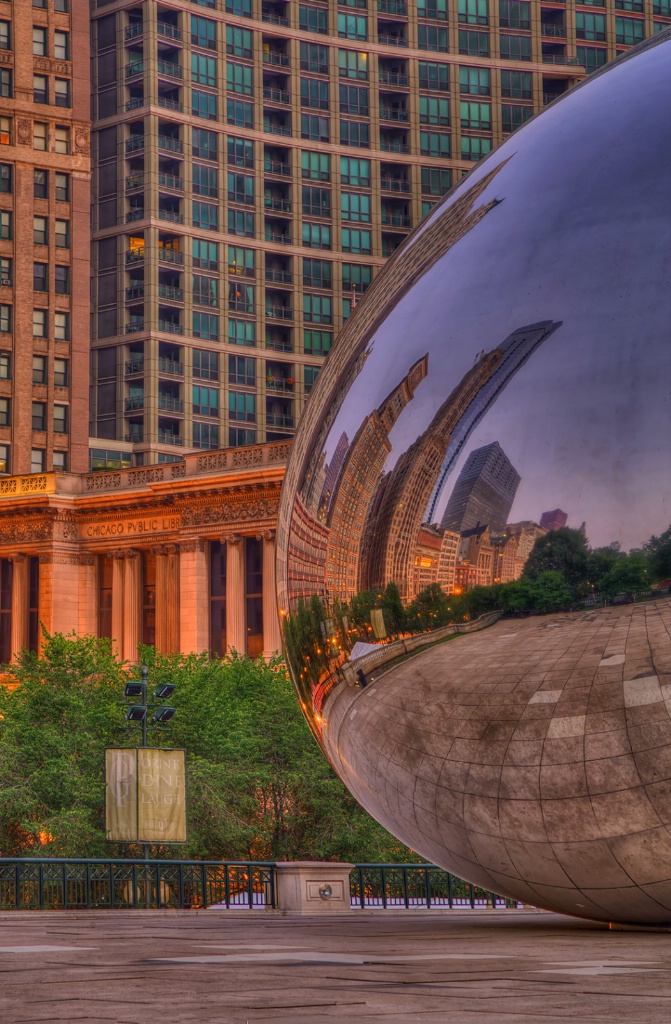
(380, 966)
(533, 758)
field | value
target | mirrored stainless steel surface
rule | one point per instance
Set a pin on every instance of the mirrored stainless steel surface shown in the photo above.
(512, 360)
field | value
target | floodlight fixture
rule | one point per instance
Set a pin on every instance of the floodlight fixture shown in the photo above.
(133, 688)
(164, 690)
(163, 714)
(136, 713)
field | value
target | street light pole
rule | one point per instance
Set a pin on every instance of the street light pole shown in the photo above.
(144, 673)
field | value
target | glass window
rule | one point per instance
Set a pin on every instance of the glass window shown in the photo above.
(240, 261)
(205, 215)
(514, 115)
(62, 234)
(316, 166)
(61, 419)
(5, 224)
(354, 133)
(356, 276)
(352, 64)
(590, 26)
(204, 144)
(242, 370)
(62, 92)
(37, 460)
(40, 230)
(434, 110)
(62, 182)
(238, 436)
(62, 326)
(355, 206)
(205, 364)
(62, 139)
(5, 318)
(238, 42)
(241, 223)
(316, 201)
(39, 135)
(476, 81)
(5, 366)
(62, 280)
(241, 332)
(39, 416)
(436, 181)
(40, 279)
(354, 100)
(6, 85)
(5, 131)
(5, 412)
(240, 152)
(475, 115)
(39, 323)
(315, 127)
(474, 148)
(431, 37)
(5, 464)
(206, 325)
(205, 400)
(62, 6)
(61, 45)
(317, 308)
(241, 406)
(355, 171)
(61, 373)
(240, 78)
(5, 35)
(204, 104)
(205, 254)
(205, 290)
(317, 273)
(314, 93)
(517, 85)
(60, 462)
(203, 32)
(352, 26)
(240, 7)
(203, 69)
(515, 14)
(436, 9)
(317, 343)
(204, 180)
(516, 47)
(314, 57)
(240, 113)
(205, 435)
(591, 57)
(312, 19)
(240, 296)
(39, 369)
(40, 184)
(240, 188)
(6, 274)
(316, 236)
(474, 44)
(434, 144)
(310, 374)
(39, 41)
(628, 30)
(434, 76)
(356, 240)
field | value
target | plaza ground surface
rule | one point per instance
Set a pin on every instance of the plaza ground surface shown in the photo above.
(219, 967)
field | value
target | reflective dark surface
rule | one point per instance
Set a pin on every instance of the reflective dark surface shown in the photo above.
(512, 359)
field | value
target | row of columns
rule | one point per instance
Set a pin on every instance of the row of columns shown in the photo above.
(127, 599)
(20, 601)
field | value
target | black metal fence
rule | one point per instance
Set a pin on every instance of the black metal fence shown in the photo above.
(73, 884)
(78, 884)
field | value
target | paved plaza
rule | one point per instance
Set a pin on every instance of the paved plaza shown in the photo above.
(218, 967)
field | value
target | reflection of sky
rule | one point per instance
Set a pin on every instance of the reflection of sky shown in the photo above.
(582, 236)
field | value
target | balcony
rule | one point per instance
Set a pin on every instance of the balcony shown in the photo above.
(558, 58)
(276, 128)
(137, 437)
(277, 236)
(167, 437)
(170, 181)
(279, 312)
(279, 344)
(136, 291)
(171, 366)
(274, 419)
(392, 146)
(136, 68)
(168, 327)
(170, 256)
(134, 366)
(240, 306)
(135, 214)
(558, 31)
(134, 181)
(134, 404)
(274, 19)
(286, 384)
(165, 101)
(280, 276)
(169, 68)
(168, 31)
(276, 203)
(394, 184)
(280, 60)
(134, 326)
(169, 291)
(169, 403)
(171, 145)
(276, 167)
(393, 7)
(134, 143)
(134, 103)
(388, 39)
(135, 256)
(275, 95)
(134, 31)
(393, 77)
(393, 114)
(171, 215)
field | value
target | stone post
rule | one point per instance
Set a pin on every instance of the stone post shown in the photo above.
(312, 887)
(236, 638)
(171, 610)
(194, 610)
(20, 583)
(272, 641)
(117, 599)
(132, 610)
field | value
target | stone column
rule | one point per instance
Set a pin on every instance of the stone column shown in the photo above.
(20, 584)
(194, 608)
(161, 597)
(236, 637)
(272, 641)
(167, 598)
(117, 599)
(132, 605)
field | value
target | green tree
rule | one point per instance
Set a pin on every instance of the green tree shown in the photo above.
(629, 575)
(562, 551)
(659, 550)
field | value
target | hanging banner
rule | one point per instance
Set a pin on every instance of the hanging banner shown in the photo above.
(378, 624)
(146, 795)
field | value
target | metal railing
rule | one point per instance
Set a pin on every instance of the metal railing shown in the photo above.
(406, 886)
(74, 884)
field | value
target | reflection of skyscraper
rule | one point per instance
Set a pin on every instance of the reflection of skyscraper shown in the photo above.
(484, 491)
(361, 468)
(333, 469)
(554, 520)
(516, 349)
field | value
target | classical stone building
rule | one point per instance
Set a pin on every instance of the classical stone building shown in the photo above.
(181, 555)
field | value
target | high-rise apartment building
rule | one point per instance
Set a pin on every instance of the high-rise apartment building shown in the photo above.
(44, 235)
(484, 491)
(554, 520)
(256, 161)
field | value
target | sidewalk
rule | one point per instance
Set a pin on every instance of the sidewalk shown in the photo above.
(212, 967)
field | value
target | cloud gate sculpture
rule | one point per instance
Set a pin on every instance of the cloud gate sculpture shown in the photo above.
(494, 426)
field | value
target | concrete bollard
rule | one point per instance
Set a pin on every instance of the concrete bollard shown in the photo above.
(312, 887)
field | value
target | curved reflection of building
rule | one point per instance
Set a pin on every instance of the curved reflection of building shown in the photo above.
(484, 491)
(361, 469)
